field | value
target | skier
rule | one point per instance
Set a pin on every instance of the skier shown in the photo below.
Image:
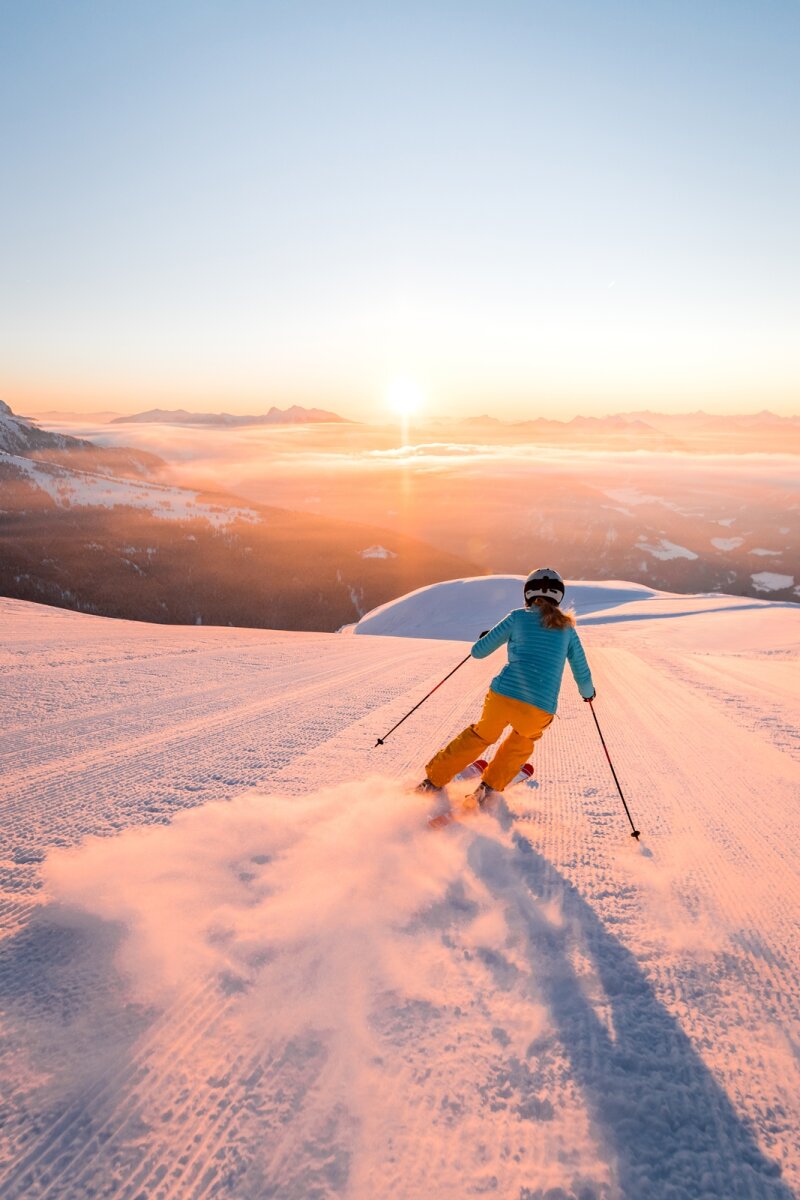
(541, 637)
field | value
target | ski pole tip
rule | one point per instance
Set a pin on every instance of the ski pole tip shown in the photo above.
(636, 834)
(378, 743)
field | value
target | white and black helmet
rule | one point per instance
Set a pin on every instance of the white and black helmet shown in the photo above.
(544, 584)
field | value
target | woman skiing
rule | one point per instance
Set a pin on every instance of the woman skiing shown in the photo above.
(541, 637)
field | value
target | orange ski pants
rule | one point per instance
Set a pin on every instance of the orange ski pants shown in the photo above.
(527, 722)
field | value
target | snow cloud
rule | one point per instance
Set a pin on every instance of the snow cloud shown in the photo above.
(319, 922)
(236, 888)
(314, 906)
(406, 986)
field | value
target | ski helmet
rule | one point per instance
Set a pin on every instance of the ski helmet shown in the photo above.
(544, 584)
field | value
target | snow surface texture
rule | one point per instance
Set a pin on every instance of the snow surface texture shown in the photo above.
(237, 964)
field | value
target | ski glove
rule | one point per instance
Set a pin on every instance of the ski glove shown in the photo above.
(588, 699)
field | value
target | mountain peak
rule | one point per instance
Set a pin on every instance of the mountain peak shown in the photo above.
(296, 414)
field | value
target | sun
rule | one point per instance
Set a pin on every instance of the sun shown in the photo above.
(404, 396)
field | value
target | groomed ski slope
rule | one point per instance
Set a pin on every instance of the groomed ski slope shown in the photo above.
(235, 963)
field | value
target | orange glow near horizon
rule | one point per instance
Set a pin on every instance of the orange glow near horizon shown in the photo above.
(403, 397)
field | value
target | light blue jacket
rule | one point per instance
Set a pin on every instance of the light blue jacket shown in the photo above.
(536, 658)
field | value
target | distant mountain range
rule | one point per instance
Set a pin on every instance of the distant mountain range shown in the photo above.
(295, 415)
(650, 420)
(765, 432)
(78, 534)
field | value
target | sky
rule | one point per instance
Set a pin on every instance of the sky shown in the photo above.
(521, 208)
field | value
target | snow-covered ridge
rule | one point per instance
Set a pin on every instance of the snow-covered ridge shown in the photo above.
(23, 436)
(69, 488)
(19, 436)
(459, 609)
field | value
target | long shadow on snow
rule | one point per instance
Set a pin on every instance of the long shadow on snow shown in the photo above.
(66, 1016)
(671, 1130)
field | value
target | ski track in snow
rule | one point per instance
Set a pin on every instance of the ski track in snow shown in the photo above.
(349, 1005)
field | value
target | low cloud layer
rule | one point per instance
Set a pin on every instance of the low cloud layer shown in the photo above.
(504, 503)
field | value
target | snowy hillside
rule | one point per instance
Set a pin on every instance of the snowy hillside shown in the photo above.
(459, 609)
(19, 436)
(235, 962)
(102, 543)
(86, 489)
(22, 436)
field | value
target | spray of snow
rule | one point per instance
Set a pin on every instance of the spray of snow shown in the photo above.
(322, 918)
(286, 873)
(338, 920)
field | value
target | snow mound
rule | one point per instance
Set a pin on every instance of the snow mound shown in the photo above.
(459, 609)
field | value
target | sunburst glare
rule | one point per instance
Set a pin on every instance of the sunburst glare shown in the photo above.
(405, 397)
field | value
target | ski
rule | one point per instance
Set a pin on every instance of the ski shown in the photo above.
(523, 775)
(473, 770)
(452, 815)
(468, 807)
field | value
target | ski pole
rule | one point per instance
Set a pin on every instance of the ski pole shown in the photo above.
(381, 740)
(635, 833)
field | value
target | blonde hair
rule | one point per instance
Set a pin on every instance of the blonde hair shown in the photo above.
(552, 616)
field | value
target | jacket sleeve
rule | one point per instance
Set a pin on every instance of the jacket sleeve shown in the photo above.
(579, 665)
(494, 639)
